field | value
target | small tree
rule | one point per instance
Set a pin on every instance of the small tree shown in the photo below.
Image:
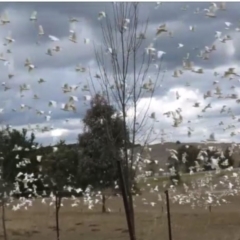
(60, 170)
(14, 147)
(17, 147)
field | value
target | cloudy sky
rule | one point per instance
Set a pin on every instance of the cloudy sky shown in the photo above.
(59, 69)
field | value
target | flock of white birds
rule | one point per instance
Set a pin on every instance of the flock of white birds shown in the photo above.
(202, 191)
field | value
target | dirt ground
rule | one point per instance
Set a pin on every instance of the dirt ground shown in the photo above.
(38, 222)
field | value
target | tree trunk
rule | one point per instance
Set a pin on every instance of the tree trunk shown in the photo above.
(129, 184)
(4, 220)
(132, 212)
(126, 202)
(103, 203)
(58, 206)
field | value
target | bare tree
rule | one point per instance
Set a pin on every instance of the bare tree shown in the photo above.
(124, 67)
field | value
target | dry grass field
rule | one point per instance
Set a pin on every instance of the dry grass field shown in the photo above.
(38, 222)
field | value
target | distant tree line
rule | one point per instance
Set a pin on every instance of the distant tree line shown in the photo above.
(192, 158)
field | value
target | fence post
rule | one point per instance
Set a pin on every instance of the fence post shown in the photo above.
(168, 216)
(210, 208)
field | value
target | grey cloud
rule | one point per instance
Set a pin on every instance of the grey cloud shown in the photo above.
(59, 69)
